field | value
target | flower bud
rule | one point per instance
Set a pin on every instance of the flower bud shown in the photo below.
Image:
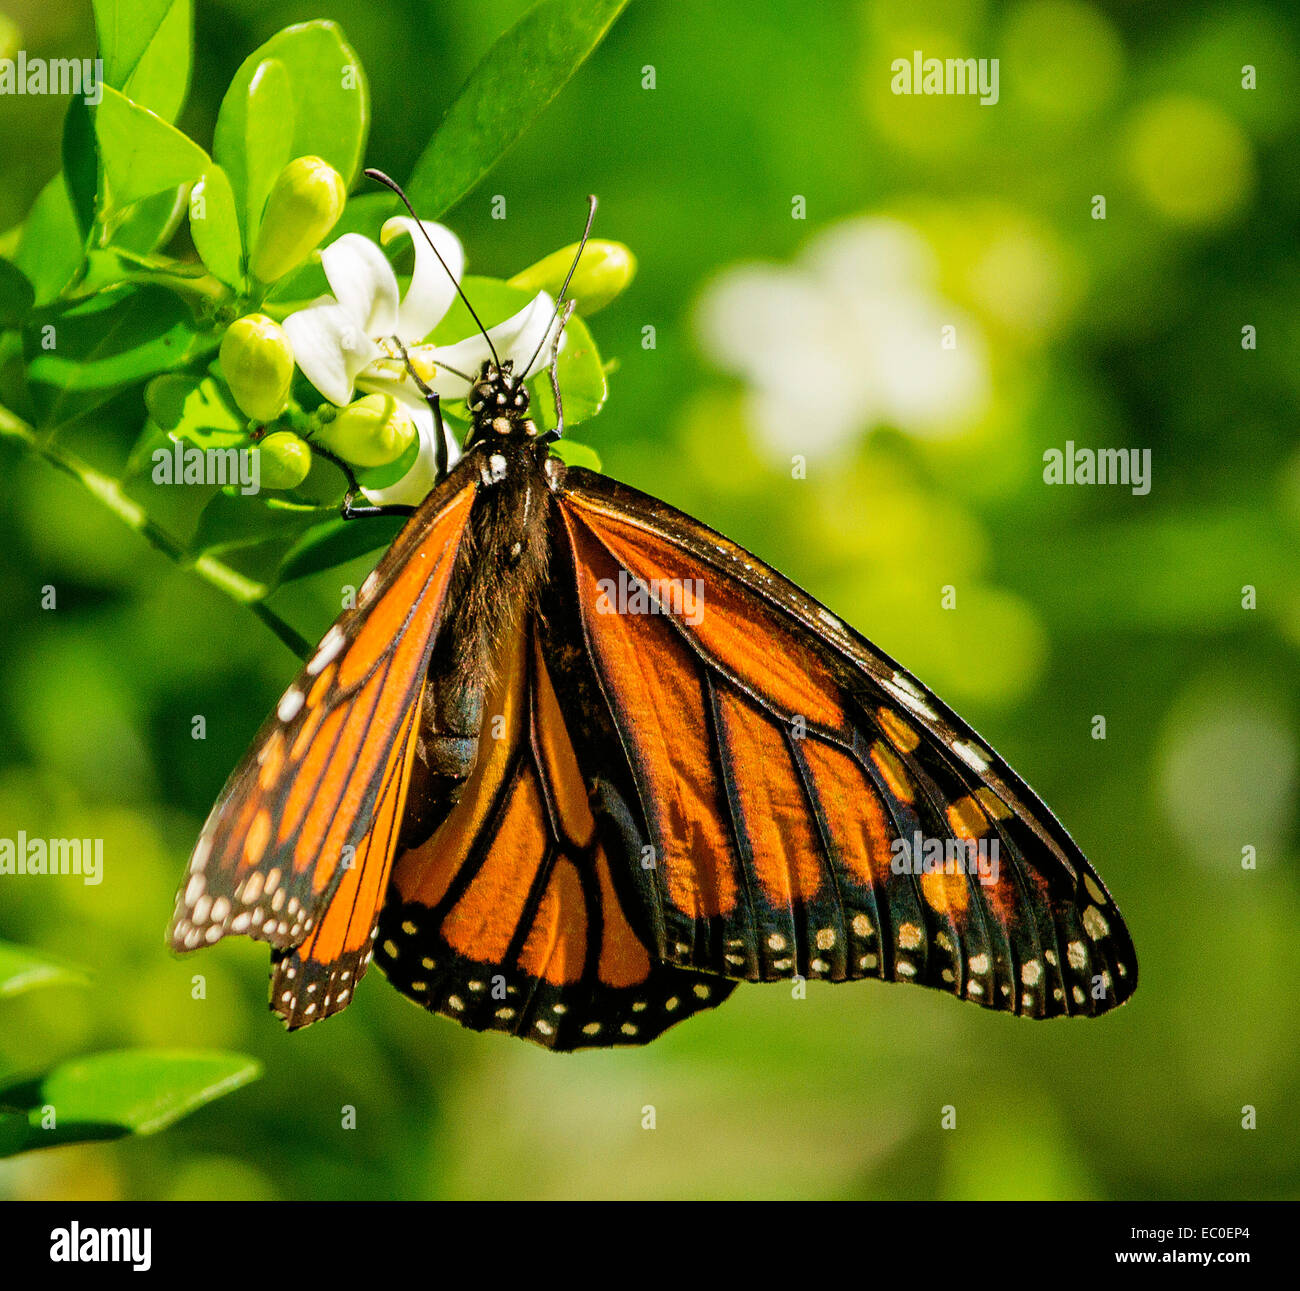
(285, 460)
(604, 271)
(257, 361)
(306, 201)
(373, 431)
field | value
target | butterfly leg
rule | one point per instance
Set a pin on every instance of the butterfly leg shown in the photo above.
(551, 367)
(351, 512)
(435, 406)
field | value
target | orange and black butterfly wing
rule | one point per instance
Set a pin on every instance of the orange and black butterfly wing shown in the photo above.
(780, 762)
(308, 814)
(520, 912)
(317, 977)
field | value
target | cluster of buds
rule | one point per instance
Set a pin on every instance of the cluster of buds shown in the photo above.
(257, 360)
(257, 354)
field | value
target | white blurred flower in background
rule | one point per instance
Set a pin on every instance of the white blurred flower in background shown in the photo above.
(847, 338)
(1228, 772)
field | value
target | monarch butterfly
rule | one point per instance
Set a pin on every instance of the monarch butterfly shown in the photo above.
(576, 764)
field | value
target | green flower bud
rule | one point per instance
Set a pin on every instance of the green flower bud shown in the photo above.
(604, 271)
(285, 460)
(306, 201)
(257, 361)
(373, 431)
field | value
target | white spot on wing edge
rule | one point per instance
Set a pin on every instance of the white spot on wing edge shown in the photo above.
(290, 703)
(971, 754)
(910, 695)
(331, 643)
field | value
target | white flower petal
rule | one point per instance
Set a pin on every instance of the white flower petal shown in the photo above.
(432, 287)
(363, 282)
(516, 339)
(536, 327)
(330, 348)
(414, 486)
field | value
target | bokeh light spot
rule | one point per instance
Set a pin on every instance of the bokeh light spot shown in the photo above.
(1191, 161)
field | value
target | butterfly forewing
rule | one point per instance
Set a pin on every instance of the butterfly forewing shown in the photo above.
(779, 759)
(295, 812)
(318, 976)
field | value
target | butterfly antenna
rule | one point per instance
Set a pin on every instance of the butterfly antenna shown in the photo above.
(559, 300)
(388, 182)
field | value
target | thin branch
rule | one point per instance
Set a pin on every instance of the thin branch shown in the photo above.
(110, 493)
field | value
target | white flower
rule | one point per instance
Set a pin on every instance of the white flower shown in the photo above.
(847, 338)
(346, 341)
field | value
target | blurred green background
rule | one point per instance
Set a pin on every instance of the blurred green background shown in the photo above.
(777, 336)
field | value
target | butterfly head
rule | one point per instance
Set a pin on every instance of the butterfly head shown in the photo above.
(498, 402)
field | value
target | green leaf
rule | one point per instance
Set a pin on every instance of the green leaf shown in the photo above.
(81, 163)
(110, 340)
(331, 99)
(572, 453)
(214, 226)
(139, 461)
(146, 47)
(254, 136)
(174, 510)
(16, 294)
(21, 970)
(51, 248)
(319, 91)
(150, 223)
(231, 522)
(518, 77)
(199, 410)
(335, 542)
(494, 300)
(110, 1095)
(141, 153)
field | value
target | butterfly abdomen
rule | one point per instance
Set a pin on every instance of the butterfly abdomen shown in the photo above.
(495, 585)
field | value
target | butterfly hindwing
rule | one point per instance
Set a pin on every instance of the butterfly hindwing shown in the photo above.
(779, 759)
(517, 914)
(275, 849)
